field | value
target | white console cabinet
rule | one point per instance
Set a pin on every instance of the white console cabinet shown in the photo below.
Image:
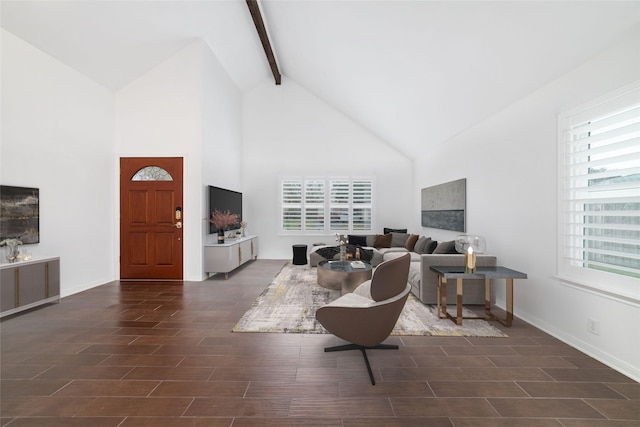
(28, 284)
(227, 256)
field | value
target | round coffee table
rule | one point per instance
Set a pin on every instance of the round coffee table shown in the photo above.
(342, 275)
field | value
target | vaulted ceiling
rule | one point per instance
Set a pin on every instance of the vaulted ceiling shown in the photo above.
(412, 72)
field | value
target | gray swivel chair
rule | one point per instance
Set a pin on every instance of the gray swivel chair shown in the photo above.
(366, 317)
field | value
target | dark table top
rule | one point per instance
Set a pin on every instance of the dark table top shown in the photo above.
(345, 266)
(449, 272)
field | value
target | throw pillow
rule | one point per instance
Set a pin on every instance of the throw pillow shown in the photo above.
(371, 238)
(431, 246)
(398, 239)
(446, 248)
(394, 230)
(411, 242)
(420, 245)
(382, 241)
(357, 240)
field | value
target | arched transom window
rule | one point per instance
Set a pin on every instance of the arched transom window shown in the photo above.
(152, 173)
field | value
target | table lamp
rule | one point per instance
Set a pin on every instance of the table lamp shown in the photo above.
(470, 246)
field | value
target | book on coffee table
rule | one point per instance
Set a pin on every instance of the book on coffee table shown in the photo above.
(357, 264)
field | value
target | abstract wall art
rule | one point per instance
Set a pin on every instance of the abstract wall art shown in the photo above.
(444, 206)
(20, 214)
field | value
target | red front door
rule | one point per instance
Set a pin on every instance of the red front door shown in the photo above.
(151, 218)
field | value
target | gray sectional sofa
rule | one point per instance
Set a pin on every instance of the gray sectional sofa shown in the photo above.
(424, 281)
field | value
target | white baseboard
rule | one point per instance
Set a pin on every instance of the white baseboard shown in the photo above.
(611, 361)
(65, 292)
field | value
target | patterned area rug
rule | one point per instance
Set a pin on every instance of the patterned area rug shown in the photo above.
(289, 303)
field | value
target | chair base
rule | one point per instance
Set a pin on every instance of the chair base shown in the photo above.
(364, 353)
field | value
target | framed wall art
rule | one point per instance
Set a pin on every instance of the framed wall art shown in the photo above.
(443, 206)
(20, 214)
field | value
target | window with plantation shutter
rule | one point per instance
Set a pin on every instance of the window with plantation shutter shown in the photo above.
(362, 199)
(314, 204)
(340, 192)
(599, 218)
(291, 205)
(319, 205)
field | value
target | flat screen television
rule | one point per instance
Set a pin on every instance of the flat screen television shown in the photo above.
(224, 200)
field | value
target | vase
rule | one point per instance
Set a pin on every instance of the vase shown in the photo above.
(220, 235)
(12, 252)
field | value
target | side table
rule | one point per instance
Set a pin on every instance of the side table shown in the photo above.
(299, 254)
(486, 273)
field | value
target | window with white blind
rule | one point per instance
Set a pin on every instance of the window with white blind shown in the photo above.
(599, 206)
(362, 205)
(317, 205)
(291, 204)
(314, 198)
(339, 204)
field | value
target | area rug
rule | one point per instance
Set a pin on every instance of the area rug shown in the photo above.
(289, 304)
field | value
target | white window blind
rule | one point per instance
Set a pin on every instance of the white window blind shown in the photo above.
(291, 193)
(599, 240)
(362, 198)
(314, 204)
(340, 192)
(319, 205)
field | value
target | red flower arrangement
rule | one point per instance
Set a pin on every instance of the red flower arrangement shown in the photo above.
(223, 219)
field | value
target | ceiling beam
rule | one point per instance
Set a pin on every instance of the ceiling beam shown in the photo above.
(264, 38)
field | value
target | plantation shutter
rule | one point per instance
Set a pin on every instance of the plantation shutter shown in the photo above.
(362, 198)
(314, 204)
(291, 205)
(317, 205)
(339, 204)
(600, 187)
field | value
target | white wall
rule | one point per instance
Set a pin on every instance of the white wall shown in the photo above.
(510, 162)
(221, 134)
(185, 107)
(289, 131)
(57, 135)
(159, 115)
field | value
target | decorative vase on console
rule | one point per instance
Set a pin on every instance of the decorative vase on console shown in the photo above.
(12, 251)
(222, 220)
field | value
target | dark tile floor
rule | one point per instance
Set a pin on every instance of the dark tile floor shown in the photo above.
(161, 354)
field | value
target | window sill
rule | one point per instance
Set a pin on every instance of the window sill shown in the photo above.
(626, 298)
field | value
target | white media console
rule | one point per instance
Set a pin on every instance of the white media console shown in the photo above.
(227, 256)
